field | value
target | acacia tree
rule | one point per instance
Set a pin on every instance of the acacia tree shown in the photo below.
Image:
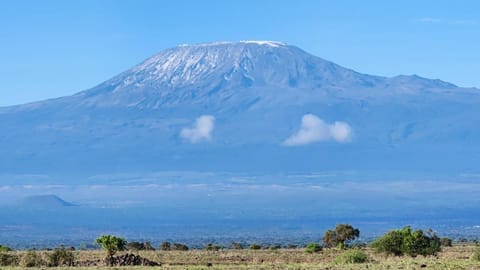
(340, 235)
(111, 244)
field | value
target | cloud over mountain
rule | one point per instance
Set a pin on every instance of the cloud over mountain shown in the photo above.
(313, 129)
(201, 130)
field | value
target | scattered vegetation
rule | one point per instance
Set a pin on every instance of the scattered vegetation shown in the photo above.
(135, 246)
(352, 256)
(33, 259)
(397, 242)
(5, 249)
(254, 246)
(408, 242)
(8, 259)
(212, 247)
(446, 242)
(456, 257)
(179, 247)
(61, 257)
(476, 255)
(166, 246)
(275, 247)
(340, 236)
(237, 246)
(313, 247)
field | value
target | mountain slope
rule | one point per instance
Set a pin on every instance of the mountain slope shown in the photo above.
(254, 96)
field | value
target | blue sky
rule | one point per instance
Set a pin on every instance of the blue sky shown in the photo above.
(57, 48)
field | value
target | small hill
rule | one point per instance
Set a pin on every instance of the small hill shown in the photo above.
(45, 201)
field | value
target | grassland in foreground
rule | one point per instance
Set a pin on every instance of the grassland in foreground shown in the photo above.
(457, 257)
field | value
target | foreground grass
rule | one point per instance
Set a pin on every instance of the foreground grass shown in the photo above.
(457, 257)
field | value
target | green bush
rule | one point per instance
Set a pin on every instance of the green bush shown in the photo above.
(33, 259)
(476, 255)
(5, 249)
(275, 247)
(235, 245)
(9, 260)
(212, 247)
(111, 244)
(340, 236)
(408, 242)
(61, 257)
(165, 246)
(313, 247)
(446, 242)
(135, 246)
(255, 246)
(148, 246)
(352, 256)
(180, 247)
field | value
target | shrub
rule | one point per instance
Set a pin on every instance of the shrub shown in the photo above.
(165, 246)
(339, 237)
(148, 246)
(33, 259)
(313, 247)
(445, 242)
(139, 246)
(254, 246)
(275, 247)
(476, 255)
(236, 246)
(8, 260)
(111, 243)
(180, 247)
(408, 242)
(212, 247)
(5, 249)
(352, 256)
(61, 257)
(134, 246)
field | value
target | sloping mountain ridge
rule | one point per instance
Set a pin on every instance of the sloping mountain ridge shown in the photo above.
(257, 92)
(209, 73)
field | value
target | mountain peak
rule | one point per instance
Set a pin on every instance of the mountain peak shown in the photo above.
(246, 61)
(239, 74)
(188, 73)
(256, 42)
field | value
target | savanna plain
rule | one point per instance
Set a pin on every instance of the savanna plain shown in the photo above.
(460, 256)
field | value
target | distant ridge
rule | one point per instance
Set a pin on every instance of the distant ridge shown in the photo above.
(45, 201)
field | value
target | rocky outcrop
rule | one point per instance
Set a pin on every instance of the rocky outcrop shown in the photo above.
(131, 260)
(123, 260)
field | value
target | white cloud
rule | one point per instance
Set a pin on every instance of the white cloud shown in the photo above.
(314, 129)
(445, 21)
(200, 131)
(465, 22)
(429, 20)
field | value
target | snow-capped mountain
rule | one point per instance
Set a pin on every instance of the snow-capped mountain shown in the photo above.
(249, 105)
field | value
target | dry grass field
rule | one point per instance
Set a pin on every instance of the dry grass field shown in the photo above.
(457, 257)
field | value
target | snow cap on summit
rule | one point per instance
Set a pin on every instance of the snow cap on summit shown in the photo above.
(258, 42)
